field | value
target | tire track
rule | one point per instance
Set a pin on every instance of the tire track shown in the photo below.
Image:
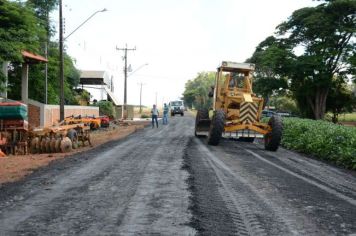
(240, 200)
(327, 175)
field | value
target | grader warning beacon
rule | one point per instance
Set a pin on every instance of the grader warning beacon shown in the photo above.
(237, 110)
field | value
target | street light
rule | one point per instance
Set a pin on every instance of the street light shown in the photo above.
(138, 68)
(91, 16)
(61, 58)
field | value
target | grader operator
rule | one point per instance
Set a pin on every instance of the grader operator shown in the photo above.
(236, 109)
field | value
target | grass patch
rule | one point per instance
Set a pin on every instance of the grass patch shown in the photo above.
(347, 117)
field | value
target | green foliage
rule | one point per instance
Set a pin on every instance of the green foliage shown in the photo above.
(37, 79)
(19, 30)
(340, 99)
(197, 90)
(321, 139)
(2, 80)
(284, 103)
(106, 108)
(329, 50)
(273, 61)
(42, 9)
(144, 116)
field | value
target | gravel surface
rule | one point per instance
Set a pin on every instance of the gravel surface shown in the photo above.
(267, 193)
(165, 181)
(129, 187)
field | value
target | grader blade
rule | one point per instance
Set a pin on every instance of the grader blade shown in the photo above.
(203, 127)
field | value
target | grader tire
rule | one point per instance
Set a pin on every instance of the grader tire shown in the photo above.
(66, 145)
(201, 114)
(273, 139)
(216, 127)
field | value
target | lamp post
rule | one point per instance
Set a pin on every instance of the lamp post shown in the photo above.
(141, 84)
(138, 68)
(61, 57)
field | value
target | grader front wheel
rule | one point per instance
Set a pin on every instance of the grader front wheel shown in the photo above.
(273, 138)
(216, 127)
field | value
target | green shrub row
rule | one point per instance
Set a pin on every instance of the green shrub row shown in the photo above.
(321, 139)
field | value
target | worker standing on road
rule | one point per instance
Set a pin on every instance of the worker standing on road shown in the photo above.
(165, 114)
(155, 114)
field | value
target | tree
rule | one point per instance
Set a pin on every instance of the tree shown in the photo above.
(197, 90)
(36, 79)
(30, 25)
(325, 33)
(19, 30)
(42, 10)
(273, 59)
(285, 104)
(340, 99)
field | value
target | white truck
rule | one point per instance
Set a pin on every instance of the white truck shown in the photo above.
(176, 107)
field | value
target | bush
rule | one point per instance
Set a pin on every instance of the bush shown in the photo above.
(321, 139)
(106, 108)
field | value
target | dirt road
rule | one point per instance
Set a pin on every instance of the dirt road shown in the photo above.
(165, 181)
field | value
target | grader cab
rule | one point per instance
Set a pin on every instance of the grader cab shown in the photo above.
(237, 110)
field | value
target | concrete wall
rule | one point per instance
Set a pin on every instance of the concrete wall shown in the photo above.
(130, 112)
(40, 114)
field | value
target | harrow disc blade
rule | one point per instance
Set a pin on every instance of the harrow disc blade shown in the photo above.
(66, 145)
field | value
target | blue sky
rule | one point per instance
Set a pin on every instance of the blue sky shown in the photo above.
(177, 38)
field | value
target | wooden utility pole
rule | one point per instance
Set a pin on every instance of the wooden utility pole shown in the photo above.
(124, 112)
(141, 84)
(61, 64)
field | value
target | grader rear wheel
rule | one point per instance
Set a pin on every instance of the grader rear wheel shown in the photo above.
(216, 127)
(273, 138)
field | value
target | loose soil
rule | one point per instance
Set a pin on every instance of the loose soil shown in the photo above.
(13, 168)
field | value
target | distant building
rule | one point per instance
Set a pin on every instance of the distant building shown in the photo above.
(99, 84)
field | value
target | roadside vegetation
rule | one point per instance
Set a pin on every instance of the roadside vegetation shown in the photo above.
(321, 139)
(26, 26)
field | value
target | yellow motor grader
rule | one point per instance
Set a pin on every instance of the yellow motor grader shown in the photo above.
(237, 110)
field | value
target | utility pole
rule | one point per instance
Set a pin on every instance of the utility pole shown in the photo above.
(141, 84)
(124, 112)
(61, 63)
(61, 56)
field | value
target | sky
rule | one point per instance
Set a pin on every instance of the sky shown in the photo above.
(174, 39)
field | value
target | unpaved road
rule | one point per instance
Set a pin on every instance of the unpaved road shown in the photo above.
(165, 181)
